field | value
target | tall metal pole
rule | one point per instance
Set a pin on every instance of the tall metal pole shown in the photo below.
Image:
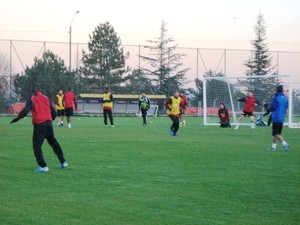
(70, 42)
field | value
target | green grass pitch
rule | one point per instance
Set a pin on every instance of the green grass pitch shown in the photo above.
(138, 175)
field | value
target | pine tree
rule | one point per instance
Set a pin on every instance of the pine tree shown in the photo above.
(164, 64)
(104, 64)
(260, 63)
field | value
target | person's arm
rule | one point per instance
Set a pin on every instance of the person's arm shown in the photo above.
(56, 100)
(149, 103)
(273, 105)
(24, 112)
(168, 103)
(140, 101)
(53, 111)
(219, 113)
(241, 99)
(111, 98)
(75, 102)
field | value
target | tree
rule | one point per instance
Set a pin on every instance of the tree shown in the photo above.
(104, 64)
(137, 82)
(164, 63)
(260, 64)
(49, 72)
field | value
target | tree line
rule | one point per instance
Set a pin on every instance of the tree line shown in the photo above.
(104, 65)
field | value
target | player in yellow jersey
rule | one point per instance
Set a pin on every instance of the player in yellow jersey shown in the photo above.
(173, 111)
(107, 107)
(60, 108)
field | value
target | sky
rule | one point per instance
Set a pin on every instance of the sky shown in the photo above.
(191, 23)
(203, 24)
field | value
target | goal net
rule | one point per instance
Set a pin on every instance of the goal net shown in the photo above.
(226, 90)
(151, 112)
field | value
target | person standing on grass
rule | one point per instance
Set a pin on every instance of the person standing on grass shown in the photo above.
(144, 106)
(173, 111)
(43, 113)
(249, 105)
(60, 109)
(267, 108)
(70, 102)
(278, 108)
(183, 105)
(224, 116)
(107, 107)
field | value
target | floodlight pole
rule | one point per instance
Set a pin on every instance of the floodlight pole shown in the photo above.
(70, 42)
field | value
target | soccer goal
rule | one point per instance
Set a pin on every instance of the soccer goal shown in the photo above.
(151, 112)
(226, 90)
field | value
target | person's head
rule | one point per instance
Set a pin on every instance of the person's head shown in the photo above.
(249, 93)
(35, 87)
(106, 90)
(222, 106)
(60, 92)
(279, 89)
(176, 94)
(181, 93)
(70, 89)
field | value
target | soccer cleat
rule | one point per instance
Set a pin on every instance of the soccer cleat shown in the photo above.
(271, 149)
(112, 126)
(237, 127)
(42, 169)
(285, 147)
(172, 133)
(69, 125)
(64, 165)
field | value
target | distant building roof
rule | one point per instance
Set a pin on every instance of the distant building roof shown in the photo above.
(120, 96)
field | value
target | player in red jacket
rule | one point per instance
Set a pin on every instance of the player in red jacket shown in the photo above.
(69, 101)
(183, 105)
(249, 105)
(43, 113)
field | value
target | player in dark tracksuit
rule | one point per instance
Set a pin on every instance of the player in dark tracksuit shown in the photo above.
(42, 115)
(144, 106)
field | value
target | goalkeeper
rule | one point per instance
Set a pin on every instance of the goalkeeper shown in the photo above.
(42, 115)
(249, 105)
(224, 116)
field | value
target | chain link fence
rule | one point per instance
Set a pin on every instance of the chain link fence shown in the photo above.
(20, 54)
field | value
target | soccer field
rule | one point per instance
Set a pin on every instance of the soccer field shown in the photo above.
(138, 175)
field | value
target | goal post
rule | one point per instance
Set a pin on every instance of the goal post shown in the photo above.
(226, 90)
(151, 112)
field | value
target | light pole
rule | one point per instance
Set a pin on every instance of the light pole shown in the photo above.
(70, 42)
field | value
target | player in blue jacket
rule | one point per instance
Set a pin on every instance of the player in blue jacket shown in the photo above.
(278, 108)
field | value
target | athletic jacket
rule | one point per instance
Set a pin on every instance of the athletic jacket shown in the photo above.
(41, 108)
(107, 100)
(143, 99)
(224, 115)
(278, 107)
(59, 102)
(173, 106)
(69, 100)
(183, 102)
(249, 103)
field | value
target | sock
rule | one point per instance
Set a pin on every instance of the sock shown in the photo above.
(274, 145)
(284, 143)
